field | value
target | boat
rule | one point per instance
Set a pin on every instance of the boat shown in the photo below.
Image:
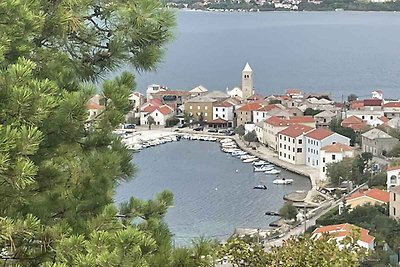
(264, 187)
(249, 160)
(283, 181)
(248, 157)
(260, 163)
(239, 153)
(227, 140)
(272, 213)
(273, 171)
(263, 168)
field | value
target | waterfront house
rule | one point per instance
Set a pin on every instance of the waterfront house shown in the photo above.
(173, 98)
(324, 118)
(274, 124)
(339, 232)
(369, 116)
(137, 99)
(333, 153)
(393, 176)
(316, 140)
(354, 123)
(262, 113)
(200, 106)
(154, 88)
(198, 91)
(394, 202)
(224, 110)
(377, 142)
(372, 196)
(244, 114)
(160, 114)
(259, 131)
(391, 109)
(291, 144)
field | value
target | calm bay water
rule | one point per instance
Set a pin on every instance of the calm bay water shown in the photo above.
(337, 52)
(211, 199)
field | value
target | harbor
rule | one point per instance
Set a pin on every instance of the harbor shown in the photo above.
(215, 195)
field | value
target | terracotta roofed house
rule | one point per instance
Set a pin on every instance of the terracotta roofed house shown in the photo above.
(377, 142)
(371, 196)
(391, 109)
(333, 153)
(291, 143)
(245, 113)
(354, 123)
(340, 231)
(262, 113)
(393, 176)
(224, 110)
(316, 140)
(274, 124)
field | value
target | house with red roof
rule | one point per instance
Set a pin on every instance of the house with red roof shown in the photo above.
(391, 109)
(316, 140)
(367, 104)
(371, 117)
(274, 124)
(173, 98)
(244, 113)
(262, 113)
(339, 232)
(333, 153)
(291, 147)
(223, 114)
(94, 109)
(355, 123)
(160, 114)
(372, 196)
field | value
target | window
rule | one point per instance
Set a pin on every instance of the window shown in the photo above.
(294, 149)
(223, 109)
(323, 169)
(205, 107)
(394, 196)
(323, 160)
(394, 211)
(371, 117)
(333, 157)
(317, 163)
(280, 137)
(223, 115)
(205, 114)
(284, 138)
(300, 141)
(308, 160)
(363, 117)
(198, 107)
(288, 148)
(280, 145)
(299, 150)
(216, 109)
(190, 107)
(284, 155)
(156, 114)
(284, 147)
(280, 154)
(294, 140)
(308, 149)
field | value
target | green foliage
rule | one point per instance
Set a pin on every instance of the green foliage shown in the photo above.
(171, 122)
(311, 112)
(274, 101)
(288, 211)
(352, 97)
(349, 169)
(395, 152)
(150, 121)
(240, 130)
(336, 127)
(378, 180)
(302, 251)
(250, 137)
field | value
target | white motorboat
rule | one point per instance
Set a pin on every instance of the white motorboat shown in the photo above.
(239, 153)
(263, 168)
(226, 140)
(248, 157)
(273, 171)
(260, 163)
(261, 186)
(230, 150)
(249, 160)
(283, 181)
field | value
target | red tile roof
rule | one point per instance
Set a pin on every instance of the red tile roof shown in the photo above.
(250, 107)
(392, 105)
(173, 92)
(149, 109)
(296, 130)
(319, 134)
(155, 102)
(94, 105)
(218, 121)
(384, 119)
(340, 230)
(377, 194)
(337, 148)
(354, 122)
(372, 102)
(393, 168)
(223, 104)
(357, 104)
(165, 109)
(276, 121)
(268, 107)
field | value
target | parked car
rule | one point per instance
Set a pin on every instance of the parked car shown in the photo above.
(230, 133)
(181, 125)
(129, 126)
(212, 130)
(223, 131)
(198, 129)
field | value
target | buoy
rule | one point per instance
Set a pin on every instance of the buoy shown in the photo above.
(236, 171)
(216, 188)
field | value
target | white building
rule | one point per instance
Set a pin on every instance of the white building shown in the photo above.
(154, 88)
(263, 113)
(291, 147)
(137, 99)
(224, 110)
(317, 139)
(372, 117)
(333, 153)
(393, 176)
(377, 94)
(160, 114)
(198, 90)
(235, 92)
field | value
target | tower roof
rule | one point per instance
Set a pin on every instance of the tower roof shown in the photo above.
(247, 67)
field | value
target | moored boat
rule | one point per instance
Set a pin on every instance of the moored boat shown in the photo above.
(249, 160)
(263, 168)
(263, 186)
(273, 171)
(283, 181)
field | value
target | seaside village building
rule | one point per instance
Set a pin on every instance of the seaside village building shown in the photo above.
(393, 176)
(333, 153)
(372, 197)
(223, 113)
(316, 140)
(394, 202)
(377, 142)
(200, 106)
(339, 232)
